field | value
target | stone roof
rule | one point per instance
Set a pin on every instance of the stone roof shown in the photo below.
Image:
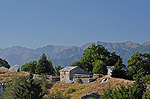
(68, 68)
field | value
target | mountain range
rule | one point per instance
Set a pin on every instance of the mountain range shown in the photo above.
(65, 55)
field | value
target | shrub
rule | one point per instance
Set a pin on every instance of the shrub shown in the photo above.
(82, 87)
(58, 95)
(147, 79)
(70, 90)
(79, 80)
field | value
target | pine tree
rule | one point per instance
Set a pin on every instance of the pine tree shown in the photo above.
(52, 70)
(139, 87)
(29, 90)
(44, 66)
(117, 70)
(135, 91)
(11, 87)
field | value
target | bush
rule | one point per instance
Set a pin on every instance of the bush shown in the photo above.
(82, 87)
(79, 80)
(147, 79)
(58, 95)
(70, 90)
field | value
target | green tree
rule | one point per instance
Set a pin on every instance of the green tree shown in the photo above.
(57, 70)
(107, 93)
(139, 64)
(29, 67)
(29, 89)
(117, 70)
(52, 70)
(147, 79)
(44, 66)
(100, 68)
(146, 95)
(12, 87)
(92, 54)
(97, 52)
(4, 63)
(77, 63)
(113, 59)
(135, 91)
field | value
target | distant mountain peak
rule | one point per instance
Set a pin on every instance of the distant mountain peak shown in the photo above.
(65, 55)
(146, 43)
(131, 44)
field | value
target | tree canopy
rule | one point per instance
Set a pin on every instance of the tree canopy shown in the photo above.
(97, 52)
(29, 67)
(23, 88)
(77, 63)
(57, 70)
(118, 71)
(100, 68)
(29, 89)
(44, 66)
(4, 63)
(139, 64)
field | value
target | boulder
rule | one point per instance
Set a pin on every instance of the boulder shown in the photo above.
(15, 68)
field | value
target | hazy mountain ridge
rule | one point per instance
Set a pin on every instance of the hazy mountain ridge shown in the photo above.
(65, 55)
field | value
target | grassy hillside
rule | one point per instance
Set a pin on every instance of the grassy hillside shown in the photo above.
(76, 91)
(5, 74)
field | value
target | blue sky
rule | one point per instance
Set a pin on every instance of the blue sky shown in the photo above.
(35, 23)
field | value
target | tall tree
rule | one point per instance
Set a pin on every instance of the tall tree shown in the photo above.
(57, 70)
(117, 70)
(139, 64)
(12, 87)
(44, 66)
(113, 58)
(100, 68)
(29, 67)
(92, 54)
(52, 70)
(77, 63)
(29, 90)
(97, 52)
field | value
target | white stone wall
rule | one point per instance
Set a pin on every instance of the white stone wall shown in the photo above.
(64, 75)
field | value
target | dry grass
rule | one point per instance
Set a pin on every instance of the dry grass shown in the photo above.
(79, 89)
(5, 74)
(82, 89)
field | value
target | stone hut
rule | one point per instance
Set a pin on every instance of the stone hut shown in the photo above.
(15, 68)
(67, 73)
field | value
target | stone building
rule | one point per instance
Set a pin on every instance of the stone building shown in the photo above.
(67, 73)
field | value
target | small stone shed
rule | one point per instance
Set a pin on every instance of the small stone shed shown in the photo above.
(67, 73)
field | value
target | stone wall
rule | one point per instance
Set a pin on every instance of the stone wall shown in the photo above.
(49, 78)
(64, 75)
(84, 80)
(54, 79)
